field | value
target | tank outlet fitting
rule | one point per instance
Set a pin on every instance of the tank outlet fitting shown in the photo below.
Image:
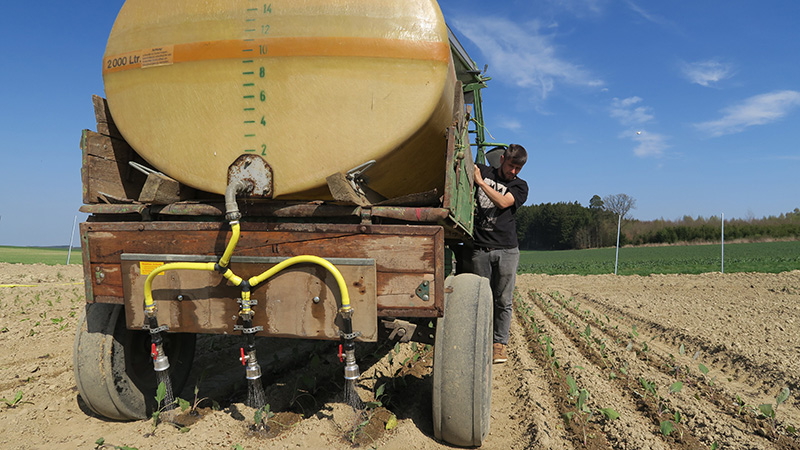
(160, 360)
(351, 371)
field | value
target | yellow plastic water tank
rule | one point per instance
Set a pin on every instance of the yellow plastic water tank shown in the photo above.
(314, 87)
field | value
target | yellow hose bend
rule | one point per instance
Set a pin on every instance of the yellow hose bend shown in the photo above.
(308, 259)
(149, 304)
(226, 257)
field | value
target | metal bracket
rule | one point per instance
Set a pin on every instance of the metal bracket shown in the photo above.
(423, 290)
(350, 336)
(356, 176)
(248, 330)
(352, 186)
(157, 330)
(402, 330)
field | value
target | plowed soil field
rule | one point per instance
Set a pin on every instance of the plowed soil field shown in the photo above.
(656, 362)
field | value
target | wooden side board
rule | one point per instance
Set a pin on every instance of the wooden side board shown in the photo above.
(300, 301)
(105, 172)
(408, 268)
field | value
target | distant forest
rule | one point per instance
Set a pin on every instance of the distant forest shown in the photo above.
(564, 226)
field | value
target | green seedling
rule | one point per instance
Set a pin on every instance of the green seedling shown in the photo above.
(584, 412)
(16, 401)
(769, 412)
(100, 444)
(378, 396)
(262, 416)
(609, 413)
(742, 405)
(161, 393)
(191, 406)
(573, 386)
(667, 427)
(587, 334)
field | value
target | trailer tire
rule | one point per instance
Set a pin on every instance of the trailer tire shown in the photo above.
(112, 364)
(462, 366)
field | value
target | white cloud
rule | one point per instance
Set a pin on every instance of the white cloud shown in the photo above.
(705, 73)
(509, 124)
(650, 17)
(757, 110)
(647, 144)
(522, 56)
(628, 113)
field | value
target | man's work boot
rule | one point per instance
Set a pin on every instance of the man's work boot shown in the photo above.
(499, 353)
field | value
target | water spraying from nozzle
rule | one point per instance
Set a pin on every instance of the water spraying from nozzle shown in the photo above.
(252, 371)
(351, 371)
(160, 361)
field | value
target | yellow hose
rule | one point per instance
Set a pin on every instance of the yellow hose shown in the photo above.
(308, 259)
(149, 304)
(226, 257)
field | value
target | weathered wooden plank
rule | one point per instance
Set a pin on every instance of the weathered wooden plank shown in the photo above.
(102, 115)
(106, 279)
(398, 291)
(397, 253)
(105, 168)
(160, 189)
(404, 256)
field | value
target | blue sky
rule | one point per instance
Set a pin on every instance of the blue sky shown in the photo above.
(691, 108)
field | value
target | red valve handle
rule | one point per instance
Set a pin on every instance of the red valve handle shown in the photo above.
(153, 351)
(243, 359)
(341, 358)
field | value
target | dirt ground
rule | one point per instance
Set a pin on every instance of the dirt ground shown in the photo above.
(684, 361)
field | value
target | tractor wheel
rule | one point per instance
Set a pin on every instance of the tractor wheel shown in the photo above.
(113, 368)
(462, 365)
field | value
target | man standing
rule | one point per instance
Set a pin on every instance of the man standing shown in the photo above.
(499, 194)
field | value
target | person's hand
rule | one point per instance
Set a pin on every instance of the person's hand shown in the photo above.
(478, 177)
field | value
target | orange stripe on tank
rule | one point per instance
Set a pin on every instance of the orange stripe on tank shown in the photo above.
(278, 47)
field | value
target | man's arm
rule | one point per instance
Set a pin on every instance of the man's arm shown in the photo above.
(499, 200)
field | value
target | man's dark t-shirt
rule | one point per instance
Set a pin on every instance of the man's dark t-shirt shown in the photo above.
(495, 227)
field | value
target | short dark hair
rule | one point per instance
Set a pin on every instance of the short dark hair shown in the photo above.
(516, 153)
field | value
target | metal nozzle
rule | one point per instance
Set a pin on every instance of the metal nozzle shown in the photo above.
(351, 371)
(252, 371)
(160, 360)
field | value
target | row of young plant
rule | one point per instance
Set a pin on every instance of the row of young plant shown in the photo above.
(578, 412)
(566, 313)
(267, 424)
(760, 419)
(33, 314)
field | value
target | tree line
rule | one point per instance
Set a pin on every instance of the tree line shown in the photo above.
(569, 225)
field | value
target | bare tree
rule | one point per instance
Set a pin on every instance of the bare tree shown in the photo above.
(619, 204)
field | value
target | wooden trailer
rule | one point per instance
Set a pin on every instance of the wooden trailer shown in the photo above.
(396, 257)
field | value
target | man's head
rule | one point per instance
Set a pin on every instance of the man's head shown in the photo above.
(512, 161)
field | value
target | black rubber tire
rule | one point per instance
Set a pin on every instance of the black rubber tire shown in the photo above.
(462, 365)
(112, 364)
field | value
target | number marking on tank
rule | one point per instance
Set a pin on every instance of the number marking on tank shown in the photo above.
(255, 24)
